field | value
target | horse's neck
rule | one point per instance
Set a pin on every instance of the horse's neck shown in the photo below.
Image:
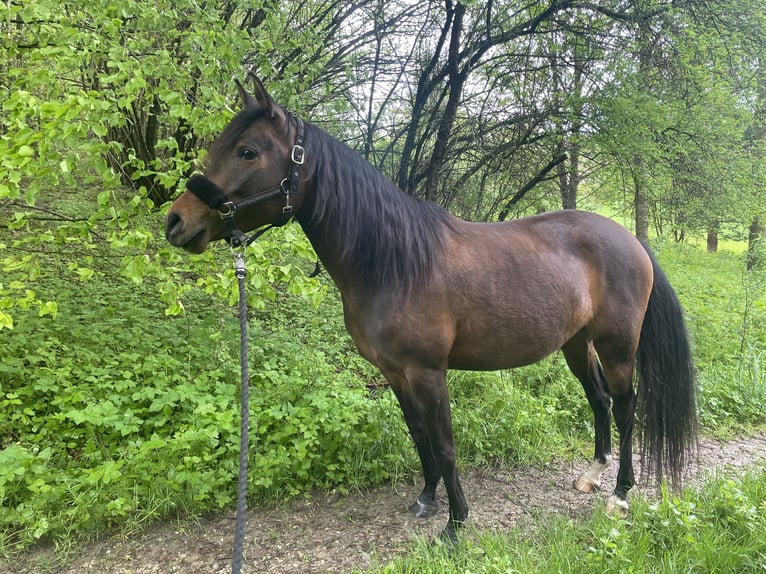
(328, 247)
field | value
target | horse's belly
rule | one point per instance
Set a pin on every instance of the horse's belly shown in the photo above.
(500, 354)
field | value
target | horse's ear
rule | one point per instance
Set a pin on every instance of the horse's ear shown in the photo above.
(247, 99)
(262, 97)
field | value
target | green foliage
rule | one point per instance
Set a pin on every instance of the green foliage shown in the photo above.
(318, 428)
(113, 414)
(108, 106)
(675, 123)
(715, 529)
(523, 416)
(101, 399)
(733, 393)
(713, 288)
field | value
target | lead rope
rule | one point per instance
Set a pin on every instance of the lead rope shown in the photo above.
(241, 519)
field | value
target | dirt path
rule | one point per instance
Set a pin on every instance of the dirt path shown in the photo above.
(336, 533)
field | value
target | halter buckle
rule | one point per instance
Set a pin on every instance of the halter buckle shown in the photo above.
(298, 154)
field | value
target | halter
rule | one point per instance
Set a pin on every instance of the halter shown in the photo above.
(212, 195)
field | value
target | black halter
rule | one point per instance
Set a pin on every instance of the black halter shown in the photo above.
(214, 197)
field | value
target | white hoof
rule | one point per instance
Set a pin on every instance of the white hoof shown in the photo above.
(590, 482)
(584, 484)
(617, 506)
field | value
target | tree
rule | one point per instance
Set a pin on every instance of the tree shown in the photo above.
(111, 102)
(672, 122)
(758, 137)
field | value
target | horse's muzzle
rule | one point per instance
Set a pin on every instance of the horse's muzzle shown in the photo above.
(178, 234)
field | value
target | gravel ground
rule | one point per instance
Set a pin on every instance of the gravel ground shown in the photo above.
(334, 533)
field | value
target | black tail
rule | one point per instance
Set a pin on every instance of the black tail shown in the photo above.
(666, 407)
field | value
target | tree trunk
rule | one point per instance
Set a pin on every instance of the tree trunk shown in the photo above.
(754, 240)
(712, 238)
(569, 189)
(456, 79)
(641, 199)
(755, 235)
(406, 177)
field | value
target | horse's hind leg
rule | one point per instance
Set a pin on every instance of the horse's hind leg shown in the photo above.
(617, 359)
(581, 358)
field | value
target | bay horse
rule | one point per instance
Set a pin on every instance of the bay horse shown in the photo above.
(424, 291)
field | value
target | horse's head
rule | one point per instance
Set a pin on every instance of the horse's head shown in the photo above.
(251, 176)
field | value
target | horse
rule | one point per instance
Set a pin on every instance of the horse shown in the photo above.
(424, 291)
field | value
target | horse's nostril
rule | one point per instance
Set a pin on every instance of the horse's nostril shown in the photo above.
(173, 221)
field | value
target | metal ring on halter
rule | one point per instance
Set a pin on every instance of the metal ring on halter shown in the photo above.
(230, 209)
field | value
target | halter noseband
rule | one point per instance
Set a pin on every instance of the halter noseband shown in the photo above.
(214, 197)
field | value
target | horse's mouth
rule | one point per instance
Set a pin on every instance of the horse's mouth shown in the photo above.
(196, 244)
(178, 234)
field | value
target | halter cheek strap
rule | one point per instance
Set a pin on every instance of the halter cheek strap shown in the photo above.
(214, 197)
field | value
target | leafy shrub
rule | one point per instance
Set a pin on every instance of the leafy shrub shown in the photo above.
(733, 393)
(113, 413)
(523, 416)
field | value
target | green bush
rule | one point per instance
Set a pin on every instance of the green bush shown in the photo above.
(522, 416)
(733, 393)
(113, 414)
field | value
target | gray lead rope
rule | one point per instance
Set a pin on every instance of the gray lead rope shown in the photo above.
(241, 520)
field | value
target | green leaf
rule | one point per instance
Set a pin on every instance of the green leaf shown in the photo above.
(6, 321)
(99, 129)
(48, 308)
(25, 151)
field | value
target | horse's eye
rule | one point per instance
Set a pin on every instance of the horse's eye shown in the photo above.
(247, 153)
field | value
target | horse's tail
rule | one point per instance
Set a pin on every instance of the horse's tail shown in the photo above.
(665, 375)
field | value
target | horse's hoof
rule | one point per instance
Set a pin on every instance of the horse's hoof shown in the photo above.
(447, 538)
(617, 507)
(586, 485)
(424, 509)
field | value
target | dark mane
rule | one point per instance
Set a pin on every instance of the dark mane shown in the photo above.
(387, 238)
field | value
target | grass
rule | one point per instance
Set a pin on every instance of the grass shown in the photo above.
(717, 528)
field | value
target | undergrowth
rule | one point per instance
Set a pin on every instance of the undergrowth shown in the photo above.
(114, 415)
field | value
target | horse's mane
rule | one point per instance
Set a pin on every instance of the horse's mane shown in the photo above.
(387, 238)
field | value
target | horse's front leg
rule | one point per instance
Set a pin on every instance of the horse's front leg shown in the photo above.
(431, 397)
(425, 505)
(424, 398)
